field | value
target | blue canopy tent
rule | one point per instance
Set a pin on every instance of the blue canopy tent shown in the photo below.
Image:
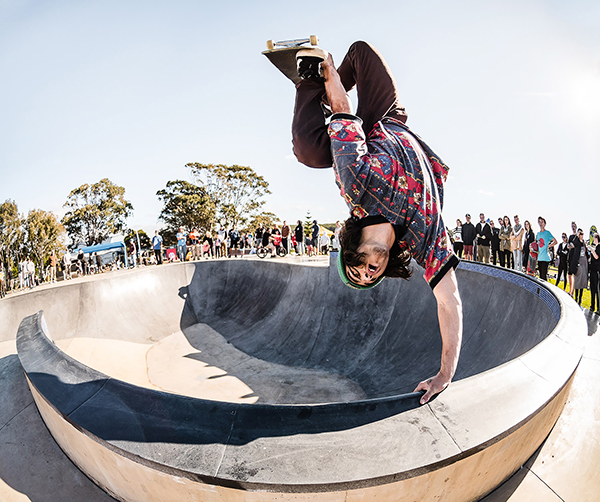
(106, 247)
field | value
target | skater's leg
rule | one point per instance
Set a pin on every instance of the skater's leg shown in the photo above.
(362, 67)
(365, 68)
(309, 130)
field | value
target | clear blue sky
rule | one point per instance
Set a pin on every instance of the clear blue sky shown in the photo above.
(507, 92)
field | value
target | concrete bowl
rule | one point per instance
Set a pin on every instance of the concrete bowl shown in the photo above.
(273, 381)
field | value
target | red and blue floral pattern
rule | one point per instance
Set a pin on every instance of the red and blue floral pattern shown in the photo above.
(395, 174)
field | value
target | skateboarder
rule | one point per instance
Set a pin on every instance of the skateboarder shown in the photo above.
(391, 180)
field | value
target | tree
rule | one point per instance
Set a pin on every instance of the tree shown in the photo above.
(185, 205)
(266, 219)
(44, 233)
(308, 223)
(235, 190)
(11, 233)
(145, 242)
(95, 212)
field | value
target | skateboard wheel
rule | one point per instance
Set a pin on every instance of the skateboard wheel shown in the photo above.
(270, 44)
(314, 40)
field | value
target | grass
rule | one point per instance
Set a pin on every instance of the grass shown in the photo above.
(586, 301)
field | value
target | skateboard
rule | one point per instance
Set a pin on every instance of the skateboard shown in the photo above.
(283, 55)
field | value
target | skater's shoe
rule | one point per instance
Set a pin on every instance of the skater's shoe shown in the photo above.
(309, 63)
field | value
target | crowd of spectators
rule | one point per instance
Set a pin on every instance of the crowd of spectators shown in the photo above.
(510, 244)
(231, 243)
(190, 246)
(516, 246)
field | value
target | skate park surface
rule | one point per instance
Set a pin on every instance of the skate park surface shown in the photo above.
(137, 327)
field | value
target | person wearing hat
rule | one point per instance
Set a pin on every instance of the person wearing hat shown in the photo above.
(391, 180)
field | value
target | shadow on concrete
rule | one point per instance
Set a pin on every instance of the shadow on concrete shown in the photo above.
(386, 340)
(117, 411)
(31, 463)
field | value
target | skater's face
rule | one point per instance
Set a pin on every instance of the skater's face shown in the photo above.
(374, 254)
(373, 263)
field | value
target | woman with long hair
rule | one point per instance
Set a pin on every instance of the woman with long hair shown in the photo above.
(457, 239)
(594, 250)
(581, 276)
(529, 238)
(505, 247)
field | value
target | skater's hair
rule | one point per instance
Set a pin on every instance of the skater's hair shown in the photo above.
(350, 235)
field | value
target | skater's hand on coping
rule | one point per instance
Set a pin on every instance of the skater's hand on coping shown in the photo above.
(432, 386)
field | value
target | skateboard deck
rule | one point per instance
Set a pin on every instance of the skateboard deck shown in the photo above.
(283, 54)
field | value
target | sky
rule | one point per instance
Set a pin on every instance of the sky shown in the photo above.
(506, 92)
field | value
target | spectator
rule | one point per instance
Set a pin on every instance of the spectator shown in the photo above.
(234, 238)
(92, 263)
(594, 251)
(193, 244)
(495, 243)
(258, 234)
(266, 238)
(516, 244)
(207, 245)
(222, 237)
(299, 235)
(2, 281)
(457, 241)
(468, 236)
(157, 241)
(30, 269)
(529, 238)
(132, 252)
(315, 236)
(505, 247)
(484, 238)
(11, 278)
(308, 245)
(285, 236)
(53, 263)
(99, 263)
(21, 273)
(563, 260)
(181, 244)
(545, 240)
(581, 277)
(573, 260)
(66, 259)
(324, 243)
(81, 262)
(217, 246)
(336, 236)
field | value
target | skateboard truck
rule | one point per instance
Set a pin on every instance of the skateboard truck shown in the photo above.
(272, 44)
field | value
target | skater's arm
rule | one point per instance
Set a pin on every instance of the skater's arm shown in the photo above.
(450, 319)
(336, 94)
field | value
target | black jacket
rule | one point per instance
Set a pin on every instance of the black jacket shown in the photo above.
(483, 230)
(468, 234)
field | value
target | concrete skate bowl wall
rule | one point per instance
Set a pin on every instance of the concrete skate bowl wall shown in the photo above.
(330, 414)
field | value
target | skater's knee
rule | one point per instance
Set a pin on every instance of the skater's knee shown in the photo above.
(312, 155)
(361, 46)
